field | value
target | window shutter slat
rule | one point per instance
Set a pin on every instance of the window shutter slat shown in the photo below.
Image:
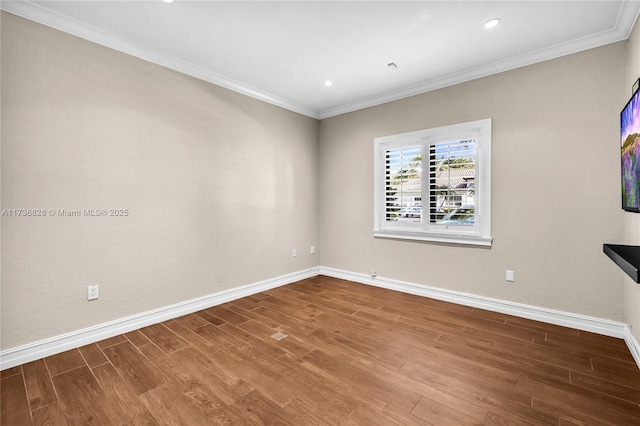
(453, 182)
(403, 184)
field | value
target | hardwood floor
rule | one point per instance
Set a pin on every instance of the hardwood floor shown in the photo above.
(354, 355)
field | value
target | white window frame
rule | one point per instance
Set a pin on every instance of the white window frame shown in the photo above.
(478, 234)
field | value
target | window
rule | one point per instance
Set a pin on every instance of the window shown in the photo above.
(435, 184)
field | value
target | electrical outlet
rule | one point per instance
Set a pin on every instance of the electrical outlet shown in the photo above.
(312, 250)
(374, 273)
(92, 292)
(510, 276)
(294, 252)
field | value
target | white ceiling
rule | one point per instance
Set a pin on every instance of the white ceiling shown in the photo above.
(282, 52)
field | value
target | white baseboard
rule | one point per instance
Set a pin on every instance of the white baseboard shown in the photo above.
(54, 345)
(51, 346)
(632, 343)
(566, 319)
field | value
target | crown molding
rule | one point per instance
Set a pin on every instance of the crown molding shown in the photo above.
(44, 16)
(629, 12)
(627, 17)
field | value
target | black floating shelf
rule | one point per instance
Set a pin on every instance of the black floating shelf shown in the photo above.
(626, 257)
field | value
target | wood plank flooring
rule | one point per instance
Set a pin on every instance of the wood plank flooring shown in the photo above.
(353, 355)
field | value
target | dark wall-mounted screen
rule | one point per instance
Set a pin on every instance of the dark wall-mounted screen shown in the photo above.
(630, 150)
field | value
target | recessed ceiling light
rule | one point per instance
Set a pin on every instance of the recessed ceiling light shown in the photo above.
(168, 1)
(492, 22)
(328, 83)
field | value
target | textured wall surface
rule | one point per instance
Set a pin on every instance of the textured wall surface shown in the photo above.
(555, 183)
(632, 220)
(219, 187)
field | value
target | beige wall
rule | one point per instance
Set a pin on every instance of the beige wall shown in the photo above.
(555, 171)
(632, 220)
(220, 187)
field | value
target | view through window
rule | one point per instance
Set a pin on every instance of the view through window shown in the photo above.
(450, 177)
(435, 184)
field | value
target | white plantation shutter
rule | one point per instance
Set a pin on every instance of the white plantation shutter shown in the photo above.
(435, 184)
(452, 167)
(403, 183)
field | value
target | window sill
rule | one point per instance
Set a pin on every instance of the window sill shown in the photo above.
(436, 238)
